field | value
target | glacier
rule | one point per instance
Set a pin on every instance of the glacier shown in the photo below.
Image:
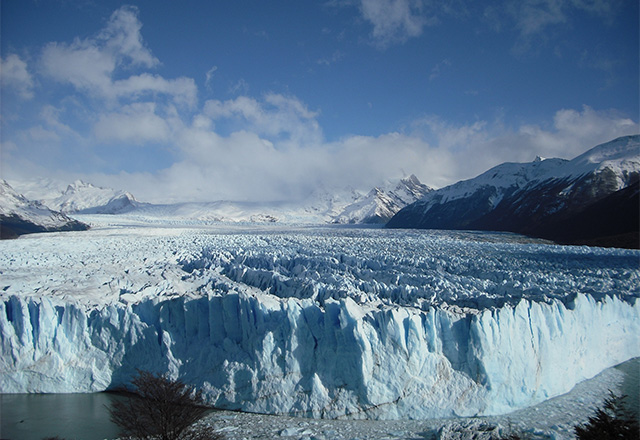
(318, 322)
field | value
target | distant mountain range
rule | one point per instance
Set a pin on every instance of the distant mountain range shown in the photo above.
(592, 199)
(84, 198)
(19, 216)
(332, 206)
(342, 206)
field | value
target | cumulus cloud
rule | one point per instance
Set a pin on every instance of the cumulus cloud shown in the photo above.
(123, 39)
(474, 148)
(276, 116)
(247, 165)
(182, 90)
(91, 64)
(14, 75)
(134, 124)
(270, 147)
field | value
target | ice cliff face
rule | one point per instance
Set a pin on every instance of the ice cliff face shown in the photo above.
(342, 359)
(326, 323)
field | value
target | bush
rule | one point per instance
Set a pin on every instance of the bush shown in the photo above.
(161, 408)
(612, 421)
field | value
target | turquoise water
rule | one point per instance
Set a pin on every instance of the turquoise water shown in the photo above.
(68, 416)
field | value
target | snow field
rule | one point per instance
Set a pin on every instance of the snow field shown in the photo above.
(320, 322)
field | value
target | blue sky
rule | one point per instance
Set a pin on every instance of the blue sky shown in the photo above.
(267, 100)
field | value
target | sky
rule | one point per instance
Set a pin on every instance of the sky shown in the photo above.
(273, 100)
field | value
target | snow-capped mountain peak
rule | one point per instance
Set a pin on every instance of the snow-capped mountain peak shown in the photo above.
(19, 215)
(382, 202)
(543, 198)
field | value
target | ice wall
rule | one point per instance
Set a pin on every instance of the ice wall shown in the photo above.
(340, 359)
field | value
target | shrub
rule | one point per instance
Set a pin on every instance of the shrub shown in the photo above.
(612, 421)
(161, 408)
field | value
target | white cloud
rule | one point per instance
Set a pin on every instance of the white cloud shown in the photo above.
(574, 131)
(533, 16)
(533, 19)
(263, 160)
(183, 90)
(122, 38)
(395, 21)
(91, 64)
(271, 147)
(209, 77)
(334, 58)
(134, 124)
(438, 68)
(276, 116)
(51, 116)
(14, 75)
(81, 64)
(467, 150)
(40, 134)
(240, 86)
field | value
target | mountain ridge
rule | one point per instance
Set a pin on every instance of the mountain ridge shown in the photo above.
(538, 198)
(20, 216)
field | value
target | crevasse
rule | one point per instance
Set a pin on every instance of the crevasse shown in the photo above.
(336, 359)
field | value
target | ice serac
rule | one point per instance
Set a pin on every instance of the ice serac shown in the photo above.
(338, 359)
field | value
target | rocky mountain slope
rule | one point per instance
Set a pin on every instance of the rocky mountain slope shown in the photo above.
(381, 203)
(82, 197)
(19, 216)
(592, 199)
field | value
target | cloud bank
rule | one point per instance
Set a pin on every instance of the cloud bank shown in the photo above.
(251, 148)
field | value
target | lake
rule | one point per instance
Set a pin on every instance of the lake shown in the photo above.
(85, 416)
(68, 416)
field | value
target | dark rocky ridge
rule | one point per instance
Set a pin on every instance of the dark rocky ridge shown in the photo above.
(574, 208)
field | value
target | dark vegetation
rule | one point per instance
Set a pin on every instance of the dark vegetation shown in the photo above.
(613, 421)
(161, 408)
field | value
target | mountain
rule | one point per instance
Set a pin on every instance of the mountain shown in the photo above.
(82, 197)
(325, 205)
(588, 200)
(19, 216)
(381, 203)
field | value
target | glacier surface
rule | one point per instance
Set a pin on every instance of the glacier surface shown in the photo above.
(319, 322)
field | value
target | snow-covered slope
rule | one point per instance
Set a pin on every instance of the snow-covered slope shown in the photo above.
(317, 322)
(537, 198)
(381, 203)
(324, 205)
(19, 215)
(87, 198)
(77, 197)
